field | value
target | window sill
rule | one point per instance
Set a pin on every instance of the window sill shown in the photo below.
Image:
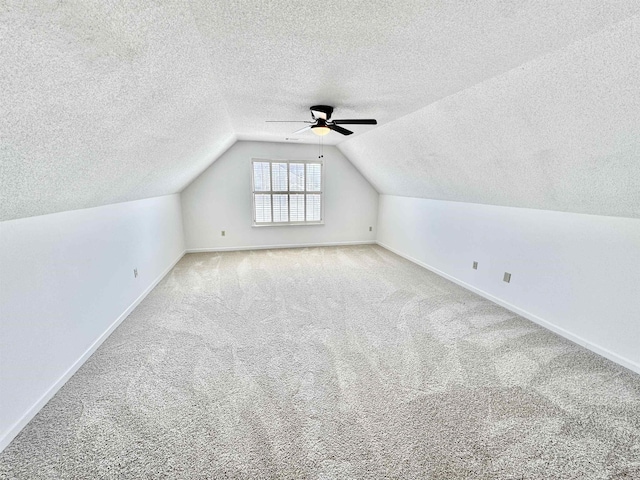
(287, 224)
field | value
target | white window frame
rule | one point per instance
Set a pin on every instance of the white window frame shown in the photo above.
(287, 192)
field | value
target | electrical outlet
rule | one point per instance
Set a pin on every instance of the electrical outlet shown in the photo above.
(507, 277)
(223, 233)
(135, 273)
(475, 265)
(371, 229)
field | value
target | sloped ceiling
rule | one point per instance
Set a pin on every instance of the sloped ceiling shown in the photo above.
(103, 103)
(561, 132)
(111, 101)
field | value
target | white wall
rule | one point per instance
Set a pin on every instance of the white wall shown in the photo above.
(65, 280)
(576, 274)
(220, 199)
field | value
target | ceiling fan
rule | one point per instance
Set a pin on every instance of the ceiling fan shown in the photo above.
(322, 123)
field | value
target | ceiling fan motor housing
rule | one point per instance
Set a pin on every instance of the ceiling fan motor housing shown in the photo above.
(326, 109)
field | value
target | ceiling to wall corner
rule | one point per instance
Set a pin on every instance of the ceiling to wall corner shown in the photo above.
(104, 102)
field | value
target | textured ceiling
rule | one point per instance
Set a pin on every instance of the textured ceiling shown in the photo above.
(561, 132)
(102, 103)
(376, 59)
(105, 101)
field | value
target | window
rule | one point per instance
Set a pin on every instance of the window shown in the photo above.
(286, 192)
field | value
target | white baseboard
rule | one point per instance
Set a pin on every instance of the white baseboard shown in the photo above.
(270, 247)
(15, 429)
(614, 357)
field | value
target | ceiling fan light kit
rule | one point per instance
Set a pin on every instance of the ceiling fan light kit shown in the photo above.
(320, 128)
(322, 123)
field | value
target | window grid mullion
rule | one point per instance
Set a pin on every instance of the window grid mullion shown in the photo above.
(271, 188)
(288, 192)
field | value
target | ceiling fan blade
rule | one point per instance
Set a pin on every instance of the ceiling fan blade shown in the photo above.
(362, 121)
(288, 121)
(338, 129)
(303, 129)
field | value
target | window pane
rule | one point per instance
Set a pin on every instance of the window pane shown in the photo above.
(280, 208)
(296, 205)
(263, 208)
(313, 208)
(296, 177)
(279, 172)
(261, 177)
(313, 177)
(292, 180)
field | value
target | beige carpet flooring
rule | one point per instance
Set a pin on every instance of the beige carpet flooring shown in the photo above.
(324, 363)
